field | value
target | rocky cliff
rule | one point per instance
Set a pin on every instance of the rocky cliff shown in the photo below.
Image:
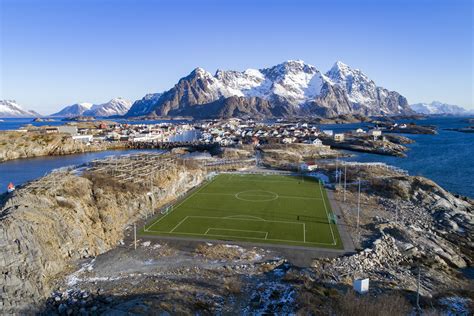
(67, 217)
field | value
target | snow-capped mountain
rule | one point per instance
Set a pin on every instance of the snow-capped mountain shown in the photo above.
(290, 88)
(145, 105)
(73, 110)
(116, 106)
(437, 107)
(11, 109)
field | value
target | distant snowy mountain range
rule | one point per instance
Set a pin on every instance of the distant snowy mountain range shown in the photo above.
(437, 107)
(290, 88)
(116, 106)
(11, 109)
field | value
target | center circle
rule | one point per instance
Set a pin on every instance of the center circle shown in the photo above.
(256, 196)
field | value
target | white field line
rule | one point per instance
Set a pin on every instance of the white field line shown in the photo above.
(237, 230)
(248, 180)
(175, 207)
(283, 196)
(269, 239)
(282, 240)
(327, 214)
(245, 219)
(304, 232)
(182, 221)
(245, 216)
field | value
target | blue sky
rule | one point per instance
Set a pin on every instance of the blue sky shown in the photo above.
(55, 53)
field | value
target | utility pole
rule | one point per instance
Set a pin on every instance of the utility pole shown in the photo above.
(358, 207)
(418, 290)
(340, 176)
(135, 235)
(345, 181)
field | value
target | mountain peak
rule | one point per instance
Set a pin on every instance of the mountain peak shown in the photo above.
(294, 62)
(340, 64)
(10, 108)
(87, 105)
(341, 69)
(198, 71)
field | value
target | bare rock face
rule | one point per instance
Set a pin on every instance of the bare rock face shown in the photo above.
(229, 107)
(42, 230)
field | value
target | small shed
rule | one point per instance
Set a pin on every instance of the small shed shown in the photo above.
(361, 286)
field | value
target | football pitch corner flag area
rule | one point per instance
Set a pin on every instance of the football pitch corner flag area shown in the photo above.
(273, 209)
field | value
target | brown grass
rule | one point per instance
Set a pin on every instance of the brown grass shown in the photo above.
(388, 304)
(233, 285)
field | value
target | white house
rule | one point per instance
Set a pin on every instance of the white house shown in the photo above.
(288, 140)
(375, 132)
(339, 137)
(328, 132)
(317, 142)
(308, 166)
(83, 138)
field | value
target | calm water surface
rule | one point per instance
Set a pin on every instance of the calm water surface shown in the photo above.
(446, 158)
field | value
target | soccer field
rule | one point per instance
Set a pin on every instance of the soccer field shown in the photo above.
(273, 209)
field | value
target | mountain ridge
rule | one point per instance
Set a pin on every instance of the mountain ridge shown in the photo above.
(287, 89)
(439, 108)
(11, 109)
(116, 106)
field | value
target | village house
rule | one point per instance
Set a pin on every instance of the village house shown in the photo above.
(308, 166)
(339, 137)
(83, 138)
(375, 133)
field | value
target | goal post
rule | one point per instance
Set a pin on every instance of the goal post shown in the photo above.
(167, 209)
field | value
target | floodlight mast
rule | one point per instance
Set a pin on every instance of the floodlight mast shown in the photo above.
(358, 207)
(345, 181)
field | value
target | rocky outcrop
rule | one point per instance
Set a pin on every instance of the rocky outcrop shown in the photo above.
(15, 145)
(406, 223)
(43, 229)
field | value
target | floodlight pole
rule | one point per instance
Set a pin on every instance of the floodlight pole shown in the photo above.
(340, 177)
(336, 168)
(418, 290)
(345, 181)
(358, 207)
(135, 235)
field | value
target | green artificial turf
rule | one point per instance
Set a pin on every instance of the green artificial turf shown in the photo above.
(274, 209)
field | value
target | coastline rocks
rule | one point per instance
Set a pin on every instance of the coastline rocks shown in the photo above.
(419, 224)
